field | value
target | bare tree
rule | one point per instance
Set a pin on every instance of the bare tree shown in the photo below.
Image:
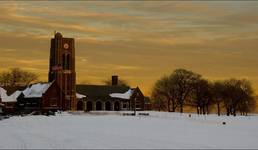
(201, 96)
(184, 81)
(238, 96)
(164, 90)
(28, 77)
(17, 76)
(175, 88)
(218, 89)
(186, 87)
(247, 102)
(158, 101)
(5, 78)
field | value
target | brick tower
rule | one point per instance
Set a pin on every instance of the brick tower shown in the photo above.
(62, 69)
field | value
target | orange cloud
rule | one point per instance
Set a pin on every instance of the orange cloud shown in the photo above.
(139, 41)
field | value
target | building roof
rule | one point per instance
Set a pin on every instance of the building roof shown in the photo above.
(80, 96)
(11, 98)
(11, 93)
(126, 95)
(36, 90)
(11, 89)
(100, 91)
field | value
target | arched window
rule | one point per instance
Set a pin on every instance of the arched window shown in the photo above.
(63, 61)
(98, 105)
(68, 62)
(89, 106)
(117, 106)
(80, 105)
(107, 105)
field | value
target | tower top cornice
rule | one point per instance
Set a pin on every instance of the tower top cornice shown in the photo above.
(58, 34)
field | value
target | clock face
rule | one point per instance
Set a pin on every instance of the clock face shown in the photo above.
(66, 46)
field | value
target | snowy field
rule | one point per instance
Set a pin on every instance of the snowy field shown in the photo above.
(112, 130)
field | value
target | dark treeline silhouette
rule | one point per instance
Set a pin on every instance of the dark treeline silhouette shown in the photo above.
(186, 88)
(17, 77)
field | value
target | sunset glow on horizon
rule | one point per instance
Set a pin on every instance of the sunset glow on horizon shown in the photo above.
(140, 41)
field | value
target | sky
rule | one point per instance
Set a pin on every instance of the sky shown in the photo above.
(140, 41)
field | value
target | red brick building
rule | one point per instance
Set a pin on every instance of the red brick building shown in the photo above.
(62, 69)
(60, 91)
(111, 97)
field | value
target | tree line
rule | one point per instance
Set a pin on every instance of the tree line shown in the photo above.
(17, 77)
(186, 88)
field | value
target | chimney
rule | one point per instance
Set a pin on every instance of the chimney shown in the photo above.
(115, 80)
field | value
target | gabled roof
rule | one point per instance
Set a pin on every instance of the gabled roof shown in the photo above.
(11, 98)
(100, 91)
(11, 89)
(36, 90)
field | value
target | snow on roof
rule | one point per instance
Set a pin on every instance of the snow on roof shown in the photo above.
(2, 92)
(78, 95)
(15, 95)
(11, 98)
(125, 95)
(36, 90)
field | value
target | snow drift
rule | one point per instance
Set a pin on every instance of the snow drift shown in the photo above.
(159, 130)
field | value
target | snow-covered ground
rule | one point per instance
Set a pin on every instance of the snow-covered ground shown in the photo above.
(112, 130)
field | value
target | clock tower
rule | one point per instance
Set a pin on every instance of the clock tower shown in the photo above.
(62, 69)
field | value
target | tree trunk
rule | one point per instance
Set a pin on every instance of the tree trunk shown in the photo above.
(203, 110)
(173, 106)
(197, 109)
(231, 111)
(181, 108)
(228, 111)
(234, 112)
(218, 109)
(159, 105)
(168, 105)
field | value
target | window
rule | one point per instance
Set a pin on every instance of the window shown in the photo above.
(63, 61)
(124, 105)
(68, 62)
